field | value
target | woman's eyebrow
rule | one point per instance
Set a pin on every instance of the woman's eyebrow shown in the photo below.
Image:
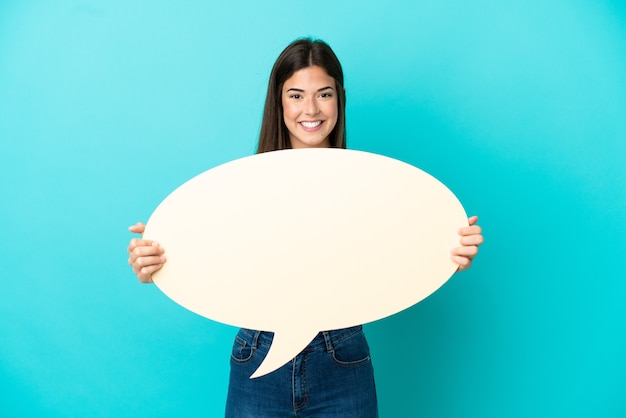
(302, 91)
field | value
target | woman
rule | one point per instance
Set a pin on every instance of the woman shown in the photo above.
(333, 376)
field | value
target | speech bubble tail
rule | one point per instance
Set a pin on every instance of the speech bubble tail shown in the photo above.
(285, 346)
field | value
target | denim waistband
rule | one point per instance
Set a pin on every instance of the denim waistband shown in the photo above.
(324, 339)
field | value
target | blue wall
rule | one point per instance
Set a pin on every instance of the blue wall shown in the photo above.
(519, 107)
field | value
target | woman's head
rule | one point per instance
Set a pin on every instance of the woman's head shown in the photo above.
(306, 85)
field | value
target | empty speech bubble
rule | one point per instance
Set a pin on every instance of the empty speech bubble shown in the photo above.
(300, 241)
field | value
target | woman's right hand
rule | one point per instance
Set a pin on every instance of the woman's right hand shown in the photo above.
(145, 256)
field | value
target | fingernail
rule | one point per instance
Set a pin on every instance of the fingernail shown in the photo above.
(155, 244)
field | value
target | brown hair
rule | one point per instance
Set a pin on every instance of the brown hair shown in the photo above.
(301, 53)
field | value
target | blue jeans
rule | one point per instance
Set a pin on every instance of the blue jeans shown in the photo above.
(331, 377)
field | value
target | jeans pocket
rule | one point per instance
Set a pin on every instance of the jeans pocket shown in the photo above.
(351, 351)
(242, 351)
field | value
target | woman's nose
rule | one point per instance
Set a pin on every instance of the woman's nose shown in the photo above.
(310, 106)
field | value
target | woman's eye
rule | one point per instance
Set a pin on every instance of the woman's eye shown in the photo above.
(295, 96)
(326, 95)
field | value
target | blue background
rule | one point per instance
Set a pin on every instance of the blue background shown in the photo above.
(518, 106)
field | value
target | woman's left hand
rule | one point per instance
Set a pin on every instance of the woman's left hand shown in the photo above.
(471, 238)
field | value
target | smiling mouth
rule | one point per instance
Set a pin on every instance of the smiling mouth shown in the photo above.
(311, 125)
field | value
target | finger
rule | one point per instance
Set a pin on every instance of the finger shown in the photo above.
(145, 274)
(469, 251)
(142, 262)
(463, 262)
(471, 230)
(472, 220)
(141, 258)
(475, 240)
(141, 247)
(145, 278)
(138, 228)
(138, 243)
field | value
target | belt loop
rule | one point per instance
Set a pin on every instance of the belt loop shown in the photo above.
(255, 339)
(328, 341)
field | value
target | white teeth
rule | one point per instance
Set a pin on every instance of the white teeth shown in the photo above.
(311, 124)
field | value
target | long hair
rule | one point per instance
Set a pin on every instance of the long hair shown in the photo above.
(301, 53)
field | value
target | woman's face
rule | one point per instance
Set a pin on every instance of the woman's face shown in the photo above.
(310, 107)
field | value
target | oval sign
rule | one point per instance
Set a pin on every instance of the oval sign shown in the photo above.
(300, 241)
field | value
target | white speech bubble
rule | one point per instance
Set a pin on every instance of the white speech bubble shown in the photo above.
(300, 241)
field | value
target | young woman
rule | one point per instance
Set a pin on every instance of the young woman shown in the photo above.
(333, 376)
